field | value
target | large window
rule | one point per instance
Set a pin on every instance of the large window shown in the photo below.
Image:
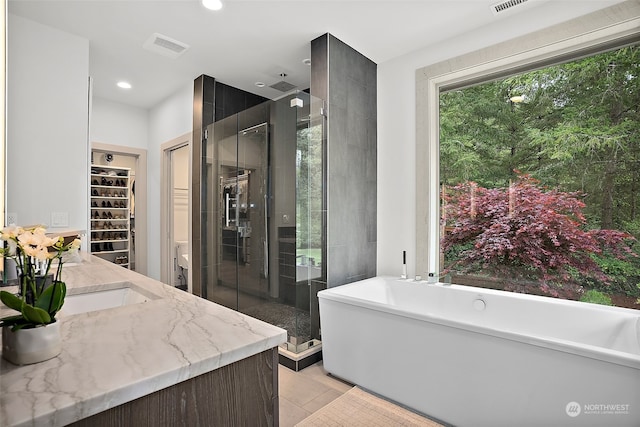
(540, 181)
(528, 163)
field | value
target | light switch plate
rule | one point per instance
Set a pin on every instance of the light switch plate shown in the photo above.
(59, 219)
(12, 218)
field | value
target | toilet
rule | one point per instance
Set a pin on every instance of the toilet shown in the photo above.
(182, 274)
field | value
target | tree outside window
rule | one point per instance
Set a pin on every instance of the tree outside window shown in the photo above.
(540, 179)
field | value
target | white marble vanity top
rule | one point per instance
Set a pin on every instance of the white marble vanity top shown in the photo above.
(116, 355)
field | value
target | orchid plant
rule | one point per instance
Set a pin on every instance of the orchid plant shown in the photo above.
(34, 253)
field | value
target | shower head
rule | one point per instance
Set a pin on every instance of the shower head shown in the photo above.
(283, 86)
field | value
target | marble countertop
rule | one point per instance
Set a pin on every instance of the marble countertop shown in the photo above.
(116, 355)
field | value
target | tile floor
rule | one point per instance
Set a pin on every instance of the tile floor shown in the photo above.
(304, 392)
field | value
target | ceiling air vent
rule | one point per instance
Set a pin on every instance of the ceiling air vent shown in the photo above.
(164, 45)
(506, 5)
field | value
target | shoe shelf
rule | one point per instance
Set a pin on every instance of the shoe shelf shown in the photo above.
(110, 215)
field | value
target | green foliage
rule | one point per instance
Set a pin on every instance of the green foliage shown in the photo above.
(33, 251)
(596, 297)
(52, 298)
(11, 300)
(309, 188)
(577, 131)
(624, 275)
(42, 312)
(35, 315)
(527, 231)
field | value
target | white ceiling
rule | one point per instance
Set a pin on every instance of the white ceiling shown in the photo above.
(248, 40)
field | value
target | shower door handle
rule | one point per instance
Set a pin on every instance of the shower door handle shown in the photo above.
(266, 240)
(226, 209)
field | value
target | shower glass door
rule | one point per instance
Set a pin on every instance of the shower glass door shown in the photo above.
(262, 224)
(252, 235)
(237, 249)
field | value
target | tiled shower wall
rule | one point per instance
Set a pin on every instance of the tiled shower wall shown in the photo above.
(347, 81)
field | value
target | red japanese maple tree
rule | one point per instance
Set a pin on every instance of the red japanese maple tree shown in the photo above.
(526, 232)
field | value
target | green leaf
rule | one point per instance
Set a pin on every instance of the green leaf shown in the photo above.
(52, 298)
(11, 300)
(21, 325)
(35, 315)
(11, 320)
(14, 322)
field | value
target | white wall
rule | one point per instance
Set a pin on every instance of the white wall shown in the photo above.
(119, 124)
(397, 122)
(170, 119)
(47, 113)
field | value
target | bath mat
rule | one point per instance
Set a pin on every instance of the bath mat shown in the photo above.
(359, 408)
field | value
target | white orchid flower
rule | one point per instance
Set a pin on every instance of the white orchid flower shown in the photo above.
(11, 232)
(11, 249)
(75, 245)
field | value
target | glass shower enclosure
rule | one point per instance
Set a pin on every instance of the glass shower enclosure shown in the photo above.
(262, 230)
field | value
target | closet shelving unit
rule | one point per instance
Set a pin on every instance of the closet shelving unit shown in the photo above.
(110, 214)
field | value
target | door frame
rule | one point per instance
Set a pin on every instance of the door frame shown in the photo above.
(141, 197)
(166, 233)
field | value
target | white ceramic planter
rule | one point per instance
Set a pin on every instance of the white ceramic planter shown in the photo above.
(27, 346)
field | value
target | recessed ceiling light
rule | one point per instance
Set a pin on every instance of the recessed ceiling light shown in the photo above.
(124, 85)
(260, 84)
(306, 61)
(212, 4)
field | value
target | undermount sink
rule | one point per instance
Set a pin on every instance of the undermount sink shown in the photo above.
(120, 295)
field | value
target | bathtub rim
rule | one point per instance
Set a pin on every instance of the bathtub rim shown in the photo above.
(590, 351)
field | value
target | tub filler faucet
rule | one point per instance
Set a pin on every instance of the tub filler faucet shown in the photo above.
(404, 265)
(434, 278)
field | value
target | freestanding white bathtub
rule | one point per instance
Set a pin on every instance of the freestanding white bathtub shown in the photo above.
(476, 357)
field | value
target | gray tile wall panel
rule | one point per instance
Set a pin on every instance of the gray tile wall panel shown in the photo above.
(347, 81)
